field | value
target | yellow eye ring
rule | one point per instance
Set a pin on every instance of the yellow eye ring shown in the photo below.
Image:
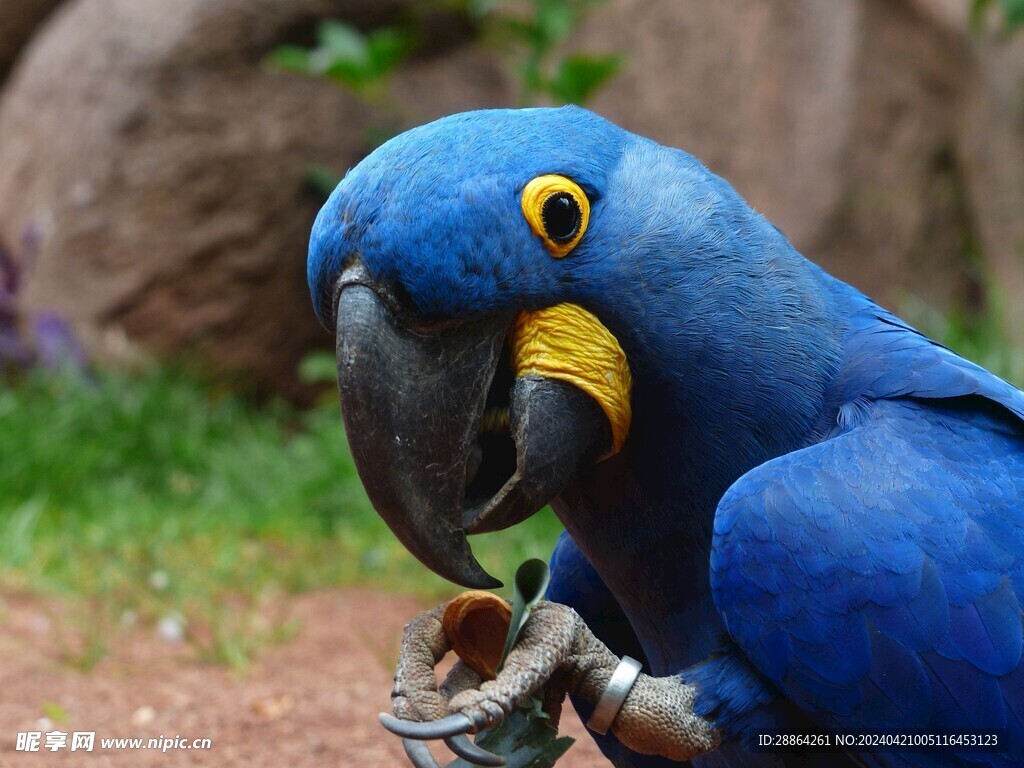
(558, 212)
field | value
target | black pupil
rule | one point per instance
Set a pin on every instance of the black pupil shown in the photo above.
(561, 214)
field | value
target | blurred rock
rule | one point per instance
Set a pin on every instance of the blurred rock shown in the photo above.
(990, 148)
(993, 155)
(158, 169)
(18, 21)
(839, 121)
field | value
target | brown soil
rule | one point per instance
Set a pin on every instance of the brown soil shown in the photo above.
(311, 701)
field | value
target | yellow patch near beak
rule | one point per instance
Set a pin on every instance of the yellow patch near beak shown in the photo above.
(569, 343)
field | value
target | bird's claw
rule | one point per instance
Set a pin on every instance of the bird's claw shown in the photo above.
(466, 703)
(418, 754)
(453, 729)
(453, 725)
(465, 748)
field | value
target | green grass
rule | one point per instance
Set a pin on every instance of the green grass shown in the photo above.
(144, 497)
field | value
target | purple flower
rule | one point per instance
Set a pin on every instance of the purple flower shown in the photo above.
(56, 345)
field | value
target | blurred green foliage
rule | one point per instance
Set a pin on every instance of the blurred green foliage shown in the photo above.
(532, 35)
(150, 498)
(348, 57)
(1012, 12)
(529, 33)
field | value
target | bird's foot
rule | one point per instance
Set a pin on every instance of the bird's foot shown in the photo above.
(555, 650)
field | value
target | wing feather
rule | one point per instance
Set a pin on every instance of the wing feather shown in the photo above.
(875, 578)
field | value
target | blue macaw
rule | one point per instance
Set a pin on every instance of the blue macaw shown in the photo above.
(816, 519)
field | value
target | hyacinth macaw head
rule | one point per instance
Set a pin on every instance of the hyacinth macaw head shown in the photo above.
(514, 290)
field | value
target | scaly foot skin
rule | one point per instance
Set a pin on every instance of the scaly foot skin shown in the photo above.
(555, 647)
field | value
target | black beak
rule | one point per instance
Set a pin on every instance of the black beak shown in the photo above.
(414, 400)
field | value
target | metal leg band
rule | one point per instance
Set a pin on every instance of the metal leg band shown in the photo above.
(614, 695)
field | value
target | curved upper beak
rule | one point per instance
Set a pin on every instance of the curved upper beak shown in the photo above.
(434, 468)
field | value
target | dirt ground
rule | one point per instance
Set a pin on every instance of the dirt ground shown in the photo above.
(312, 701)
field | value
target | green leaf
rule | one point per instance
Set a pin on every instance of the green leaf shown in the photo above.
(523, 741)
(579, 77)
(528, 587)
(55, 712)
(318, 367)
(478, 9)
(343, 54)
(290, 58)
(349, 57)
(365, 64)
(520, 29)
(1013, 11)
(555, 20)
(387, 48)
(978, 10)
(18, 531)
(322, 181)
(526, 738)
(343, 43)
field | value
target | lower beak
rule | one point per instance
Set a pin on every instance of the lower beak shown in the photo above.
(413, 403)
(558, 429)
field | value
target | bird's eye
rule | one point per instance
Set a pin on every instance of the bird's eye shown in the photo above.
(558, 212)
(561, 215)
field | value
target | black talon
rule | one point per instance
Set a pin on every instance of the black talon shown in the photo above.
(418, 754)
(464, 747)
(487, 719)
(435, 729)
